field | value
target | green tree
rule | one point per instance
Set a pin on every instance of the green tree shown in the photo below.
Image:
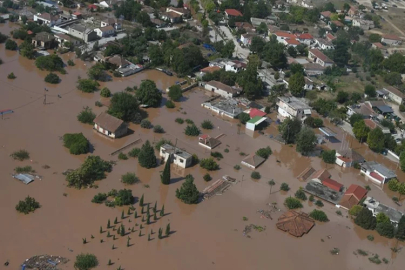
(243, 117)
(360, 130)
(188, 192)
(191, 130)
(175, 92)
(50, 62)
(27, 50)
(375, 140)
(393, 78)
(124, 106)
(370, 91)
(148, 94)
(284, 187)
(400, 234)
(296, 84)
(365, 219)
(393, 184)
(97, 73)
(86, 116)
(342, 97)
(76, 143)
(395, 63)
(209, 164)
(168, 229)
(87, 85)
(11, 45)
(402, 161)
(355, 210)
(28, 205)
(373, 38)
(156, 55)
(329, 156)
(274, 53)
(289, 129)
(385, 229)
(207, 124)
(401, 189)
(382, 218)
(124, 197)
(306, 140)
(292, 51)
(85, 261)
(52, 78)
(319, 215)
(165, 176)
(141, 201)
(300, 194)
(355, 118)
(129, 178)
(105, 92)
(252, 86)
(146, 157)
(264, 152)
(292, 203)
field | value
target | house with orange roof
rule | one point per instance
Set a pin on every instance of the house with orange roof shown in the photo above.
(295, 223)
(305, 38)
(391, 40)
(353, 195)
(348, 157)
(208, 70)
(229, 13)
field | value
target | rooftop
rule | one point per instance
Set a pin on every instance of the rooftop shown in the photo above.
(284, 34)
(374, 166)
(233, 12)
(224, 87)
(321, 175)
(350, 154)
(210, 69)
(393, 37)
(256, 120)
(229, 106)
(106, 28)
(327, 131)
(394, 91)
(253, 160)
(385, 109)
(295, 223)
(255, 112)
(378, 207)
(294, 103)
(320, 55)
(305, 36)
(326, 13)
(176, 151)
(332, 184)
(108, 122)
(324, 192)
(44, 36)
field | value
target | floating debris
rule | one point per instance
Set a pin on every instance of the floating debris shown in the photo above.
(44, 262)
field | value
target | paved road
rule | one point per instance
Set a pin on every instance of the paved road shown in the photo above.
(239, 51)
(103, 41)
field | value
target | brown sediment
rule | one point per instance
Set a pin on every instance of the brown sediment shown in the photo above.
(203, 235)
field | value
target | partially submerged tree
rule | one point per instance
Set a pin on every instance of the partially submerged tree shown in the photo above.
(175, 92)
(365, 219)
(306, 140)
(165, 176)
(77, 143)
(85, 261)
(148, 94)
(188, 192)
(28, 205)
(147, 157)
(123, 106)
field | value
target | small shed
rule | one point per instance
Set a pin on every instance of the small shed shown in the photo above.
(327, 132)
(253, 161)
(255, 121)
(384, 109)
(25, 178)
(110, 125)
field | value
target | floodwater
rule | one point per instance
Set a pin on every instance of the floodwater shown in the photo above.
(205, 236)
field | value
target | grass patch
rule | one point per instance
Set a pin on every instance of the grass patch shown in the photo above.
(25, 169)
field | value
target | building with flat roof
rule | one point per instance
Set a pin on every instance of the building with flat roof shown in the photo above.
(290, 107)
(377, 173)
(173, 154)
(376, 207)
(228, 107)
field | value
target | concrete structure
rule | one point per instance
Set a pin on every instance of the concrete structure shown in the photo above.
(376, 207)
(253, 161)
(318, 57)
(352, 196)
(363, 24)
(295, 223)
(228, 108)
(235, 66)
(246, 39)
(377, 173)
(309, 84)
(110, 125)
(173, 154)
(394, 94)
(82, 32)
(222, 89)
(323, 192)
(292, 107)
(62, 38)
(305, 38)
(105, 31)
(47, 19)
(313, 69)
(208, 142)
(28, 14)
(348, 157)
(254, 122)
(391, 40)
(116, 24)
(323, 44)
(44, 39)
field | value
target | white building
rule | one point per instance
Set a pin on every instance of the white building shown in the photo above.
(377, 173)
(323, 44)
(394, 94)
(318, 57)
(173, 154)
(363, 24)
(391, 40)
(290, 107)
(348, 157)
(222, 89)
(105, 31)
(47, 19)
(376, 207)
(235, 66)
(110, 126)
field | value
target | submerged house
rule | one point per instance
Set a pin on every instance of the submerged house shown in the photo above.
(110, 125)
(295, 223)
(348, 157)
(253, 161)
(353, 195)
(176, 155)
(377, 173)
(376, 207)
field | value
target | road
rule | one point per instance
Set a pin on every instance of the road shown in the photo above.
(102, 41)
(239, 51)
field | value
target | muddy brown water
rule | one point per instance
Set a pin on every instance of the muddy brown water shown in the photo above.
(205, 236)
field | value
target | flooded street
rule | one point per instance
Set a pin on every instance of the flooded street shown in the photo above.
(208, 235)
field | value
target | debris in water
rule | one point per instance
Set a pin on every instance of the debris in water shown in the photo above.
(45, 262)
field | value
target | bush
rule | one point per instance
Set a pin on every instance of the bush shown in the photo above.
(243, 117)
(25, 169)
(370, 237)
(124, 197)
(130, 179)
(209, 164)
(50, 62)
(98, 104)
(27, 206)
(170, 104)
(329, 156)
(237, 167)
(284, 187)
(365, 219)
(355, 210)
(145, 123)
(70, 63)
(292, 203)
(188, 192)
(85, 261)
(87, 85)
(20, 155)
(147, 157)
(189, 121)
(311, 198)
(175, 92)
(134, 152)
(86, 116)
(105, 92)
(319, 215)
(385, 229)
(255, 175)
(52, 78)
(179, 120)
(217, 155)
(206, 124)
(319, 203)
(11, 45)
(207, 177)
(122, 156)
(158, 129)
(300, 194)
(162, 142)
(192, 130)
(195, 159)
(264, 152)
(99, 198)
(11, 76)
(402, 108)
(76, 142)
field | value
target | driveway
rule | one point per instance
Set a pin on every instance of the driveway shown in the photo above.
(239, 51)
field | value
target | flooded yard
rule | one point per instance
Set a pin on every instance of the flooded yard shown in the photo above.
(208, 235)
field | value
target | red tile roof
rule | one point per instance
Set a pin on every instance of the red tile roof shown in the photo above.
(330, 36)
(378, 45)
(338, 23)
(357, 191)
(255, 112)
(210, 69)
(321, 175)
(233, 12)
(370, 123)
(393, 37)
(29, 32)
(295, 223)
(326, 13)
(344, 159)
(293, 41)
(305, 36)
(204, 136)
(332, 184)
(377, 176)
(321, 55)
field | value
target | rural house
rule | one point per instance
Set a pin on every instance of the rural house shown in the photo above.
(376, 207)
(324, 44)
(105, 31)
(47, 19)
(111, 22)
(352, 196)
(222, 89)
(377, 172)
(229, 13)
(295, 223)
(176, 155)
(44, 39)
(110, 125)
(82, 32)
(253, 161)
(235, 66)
(394, 94)
(292, 107)
(206, 141)
(391, 40)
(318, 57)
(348, 157)
(305, 38)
